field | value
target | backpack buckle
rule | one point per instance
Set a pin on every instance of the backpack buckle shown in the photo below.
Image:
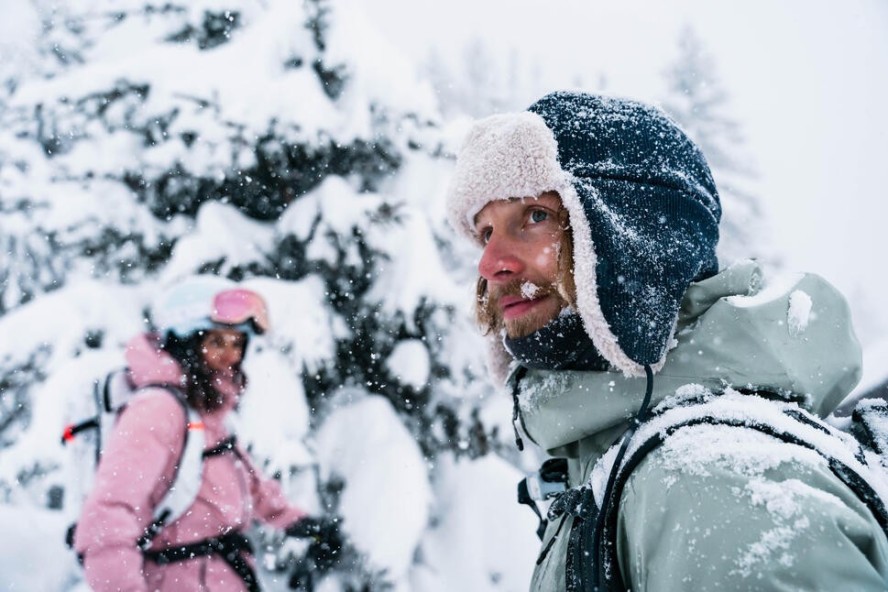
(540, 489)
(549, 481)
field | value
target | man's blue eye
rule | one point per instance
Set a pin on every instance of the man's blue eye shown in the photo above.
(538, 215)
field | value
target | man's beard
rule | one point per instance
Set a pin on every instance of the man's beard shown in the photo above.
(490, 313)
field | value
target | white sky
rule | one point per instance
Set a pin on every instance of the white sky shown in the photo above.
(808, 81)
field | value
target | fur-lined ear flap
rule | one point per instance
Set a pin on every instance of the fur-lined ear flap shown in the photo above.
(585, 261)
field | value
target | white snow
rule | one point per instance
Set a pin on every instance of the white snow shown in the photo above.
(33, 555)
(684, 393)
(417, 274)
(410, 363)
(273, 412)
(381, 73)
(480, 539)
(334, 201)
(529, 290)
(775, 288)
(799, 314)
(784, 502)
(301, 326)
(220, 231)
(386, 502)
(696, 450)
(59, 320)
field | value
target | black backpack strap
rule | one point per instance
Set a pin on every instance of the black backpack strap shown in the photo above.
(580, 571)
(578, 503)
(223, 447)
(74, 429)
(230, 547)
(104, 397)
(152, 530)
(869, 423)
(103, 404)
(605, 568)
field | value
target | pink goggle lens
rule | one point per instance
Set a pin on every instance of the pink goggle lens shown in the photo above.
(233, 307)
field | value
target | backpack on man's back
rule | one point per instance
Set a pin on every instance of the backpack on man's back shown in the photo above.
(856, 452)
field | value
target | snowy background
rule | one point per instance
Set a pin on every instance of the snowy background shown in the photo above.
(304, 148)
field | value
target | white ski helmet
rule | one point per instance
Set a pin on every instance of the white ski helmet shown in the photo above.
(204, 302)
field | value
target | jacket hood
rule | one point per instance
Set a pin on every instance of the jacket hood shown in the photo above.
(642, 205)
(791, 337)
(149, 364)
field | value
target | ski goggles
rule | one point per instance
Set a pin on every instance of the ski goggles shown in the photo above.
(238, 306)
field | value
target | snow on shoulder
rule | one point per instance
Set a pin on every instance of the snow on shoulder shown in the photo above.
(773, 289)
(799, 313)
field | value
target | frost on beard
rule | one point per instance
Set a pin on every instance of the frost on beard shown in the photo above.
(529, 290)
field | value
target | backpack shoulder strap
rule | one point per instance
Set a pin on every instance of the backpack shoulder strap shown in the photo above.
(189, 470)
(608, 575)
(869, 424)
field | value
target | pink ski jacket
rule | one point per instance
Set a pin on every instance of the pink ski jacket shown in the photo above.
(137, 467)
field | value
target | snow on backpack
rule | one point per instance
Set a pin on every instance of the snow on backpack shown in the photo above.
(92, 424)
(857, 455)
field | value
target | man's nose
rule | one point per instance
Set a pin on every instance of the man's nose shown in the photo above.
(500, 261)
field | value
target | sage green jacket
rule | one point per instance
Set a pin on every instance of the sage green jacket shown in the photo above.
(719, 508)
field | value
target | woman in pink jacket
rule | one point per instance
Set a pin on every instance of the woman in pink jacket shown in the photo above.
(204, 324)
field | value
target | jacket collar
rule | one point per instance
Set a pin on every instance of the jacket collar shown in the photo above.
(733, 331)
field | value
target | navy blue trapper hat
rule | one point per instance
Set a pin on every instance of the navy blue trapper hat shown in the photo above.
(642, 205)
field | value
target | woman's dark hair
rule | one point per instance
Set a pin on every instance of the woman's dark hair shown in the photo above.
(199, 390)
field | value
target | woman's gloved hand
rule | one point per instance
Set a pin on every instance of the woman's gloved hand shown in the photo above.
(325, 549)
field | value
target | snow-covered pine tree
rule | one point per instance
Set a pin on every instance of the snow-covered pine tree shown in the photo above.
(283, 144)
(700, 104)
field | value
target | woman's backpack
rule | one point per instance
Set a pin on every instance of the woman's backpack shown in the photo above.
(92, 424)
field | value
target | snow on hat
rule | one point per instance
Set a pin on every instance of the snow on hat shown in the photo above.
(642, 204)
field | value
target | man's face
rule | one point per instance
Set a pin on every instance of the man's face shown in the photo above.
(523, 240)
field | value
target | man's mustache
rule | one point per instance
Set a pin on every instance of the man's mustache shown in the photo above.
(519, 288)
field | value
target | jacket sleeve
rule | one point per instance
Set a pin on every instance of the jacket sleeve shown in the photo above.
(270, 505)
(135, 471)
(764, 524)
